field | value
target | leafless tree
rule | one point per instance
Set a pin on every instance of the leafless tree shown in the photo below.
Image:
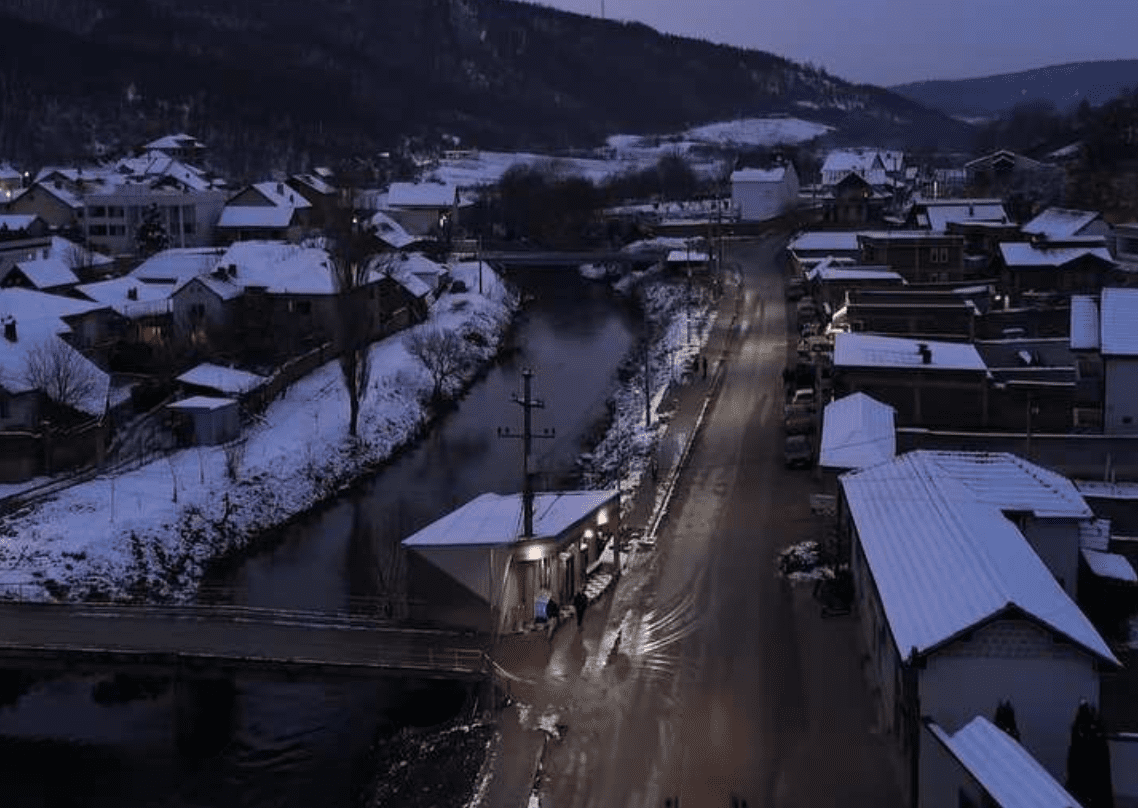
(349, 248)
(443, 353)
(61, 372)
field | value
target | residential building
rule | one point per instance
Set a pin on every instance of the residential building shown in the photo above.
(44, 274)
(869, 164)
(322, 196)
(760, 194)
(58, 207)
(180, 147)
(853, 200)
(1059, 224)
(265, 211)
(1126, 242)
(477, 567)
(112, 214)
(21, 226)
(919, 257)
(425, 208)
(962, 566)
(1053, 267)
(11, 181)
(830, 282)
(817, 245)
(1118, 345)
(929, 383)
(937, 214)
(947, 314)
(1001, 167)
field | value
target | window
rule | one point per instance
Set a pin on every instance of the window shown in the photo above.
(118, 229)
(98, 211)
(4, 410)
(300, 306)
(115, 211)
(197, 311)
(189, 227)
(98, 230)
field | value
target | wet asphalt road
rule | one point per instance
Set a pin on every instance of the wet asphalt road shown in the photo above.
(717, 682)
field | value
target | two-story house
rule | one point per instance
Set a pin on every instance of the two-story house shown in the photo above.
(919, 257)
(265, 211)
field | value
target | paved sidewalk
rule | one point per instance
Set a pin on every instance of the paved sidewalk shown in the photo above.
(533, 668)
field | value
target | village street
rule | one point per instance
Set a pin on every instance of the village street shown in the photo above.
(705, 676)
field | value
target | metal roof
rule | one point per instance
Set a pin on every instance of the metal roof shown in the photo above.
(1059, 222)
(1084, 323)
(1023, 254)
(1119, 331)
(857, 432)
(855, 349)
(944, 556)
(1002, 767)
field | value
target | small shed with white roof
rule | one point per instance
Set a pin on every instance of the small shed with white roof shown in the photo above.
(857, 432)
(476, 564)
(759, 194)
(205, 420)
(957, 561)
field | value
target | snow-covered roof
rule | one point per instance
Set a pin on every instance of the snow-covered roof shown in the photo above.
(687, 257)
(202, 403)
(178, 141)
(418, 265)
(857, 432)
(177, 265)
(45, 273)
(222, 379)
(17, 221)
(390, 231)
(1100, 489)
(62, 194)
(825, 240)
(9, 173)
(39, 322)
(858, 273)
(1057, 223)
(1109, 565)
(279, 267)
(1084, 323)
(856, 160)
(255, 216)
(149, 298)
(759, 174)
(496, 519)
(420, 195)
(281, 195)
(315, 182)
(855, 349)
(1119, 329)
(945, 558)
(1002, 767)
(1025, 254)
(987, 212)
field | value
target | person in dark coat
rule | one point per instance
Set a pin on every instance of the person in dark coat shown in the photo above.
(552, 612)
(579, 603)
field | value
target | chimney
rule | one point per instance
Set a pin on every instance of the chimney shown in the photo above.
(10, 330)
(926, 354)
(280, 188)
(132, 293)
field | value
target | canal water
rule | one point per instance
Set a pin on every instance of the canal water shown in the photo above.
(308, 744)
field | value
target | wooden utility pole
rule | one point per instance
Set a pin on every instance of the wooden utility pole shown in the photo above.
(528, 403)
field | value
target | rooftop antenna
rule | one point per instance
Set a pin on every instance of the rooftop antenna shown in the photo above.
(528, 403)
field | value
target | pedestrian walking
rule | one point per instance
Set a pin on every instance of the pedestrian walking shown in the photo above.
(580, 601)
(552, 612)
(654, 469)
(704, 361)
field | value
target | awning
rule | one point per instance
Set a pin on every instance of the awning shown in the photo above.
(1110, 565)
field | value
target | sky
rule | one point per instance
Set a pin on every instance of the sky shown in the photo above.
(888, 42)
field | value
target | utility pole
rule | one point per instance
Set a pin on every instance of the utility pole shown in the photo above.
(647, 390)
(528, 403)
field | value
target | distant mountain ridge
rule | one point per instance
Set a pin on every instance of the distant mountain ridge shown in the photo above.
(278, 84)
(1065, 86)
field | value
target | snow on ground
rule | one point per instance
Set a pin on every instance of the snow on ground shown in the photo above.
(486, 168)
(149, 532)
(758, 131)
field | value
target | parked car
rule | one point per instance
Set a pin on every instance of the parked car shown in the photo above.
(799, 421)
(803, 396)
(795, 289)
(798, 453)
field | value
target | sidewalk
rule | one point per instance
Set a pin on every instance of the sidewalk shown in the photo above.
(532, 667)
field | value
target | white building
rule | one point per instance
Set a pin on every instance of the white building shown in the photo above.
(1118, 340)
(760, 194)
(960, 563)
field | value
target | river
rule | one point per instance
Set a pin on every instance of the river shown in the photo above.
(309, 744)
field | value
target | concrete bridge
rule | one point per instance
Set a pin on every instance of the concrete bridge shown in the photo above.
(224, 640)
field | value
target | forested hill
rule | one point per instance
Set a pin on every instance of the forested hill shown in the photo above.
(282, 83)
(1065, 86)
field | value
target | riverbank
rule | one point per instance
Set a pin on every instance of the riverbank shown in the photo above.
(150, 533)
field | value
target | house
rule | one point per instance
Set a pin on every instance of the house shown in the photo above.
(209, 379)
(1051, 267)
(760, 194)
(175, 266)
(854, 200)
(44, 274)
(1118, 345)
(857, 432)
(265, 211)
(53, 203)
(146, 319)
(114, 210)
(830, 282)
(11, 181)
(21, 226)
(928, 383)
(205, 312)
(869, 164)
(818, 245)
(205, 420)
(1058, 224)
(919, 257)
(180, 147)
(1035, 384)
(1003, 166)
(962, 565)
(424, 209)
(477, 567)
(1125, 242)
(321, 195)
(981, 764)
(937, 214)
(949, 314)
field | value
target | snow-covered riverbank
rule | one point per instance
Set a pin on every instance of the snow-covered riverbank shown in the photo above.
(150, 532)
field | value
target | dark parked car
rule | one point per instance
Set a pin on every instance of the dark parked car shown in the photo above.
(798, 452)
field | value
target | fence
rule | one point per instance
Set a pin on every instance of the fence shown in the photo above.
(24, 455)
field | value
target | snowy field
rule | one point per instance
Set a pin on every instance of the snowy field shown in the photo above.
(625, 153)
(150, 532)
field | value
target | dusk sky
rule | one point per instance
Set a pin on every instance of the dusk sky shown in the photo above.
(890, 42)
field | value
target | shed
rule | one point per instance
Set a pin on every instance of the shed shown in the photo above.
(205, 420)
(857, 432)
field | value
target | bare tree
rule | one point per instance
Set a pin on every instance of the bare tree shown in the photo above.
(61, 372)
(349, 248)
(443, 353)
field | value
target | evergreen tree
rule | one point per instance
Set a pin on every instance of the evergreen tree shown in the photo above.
(151, 235)
(1006, 719)
(1088, 761)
